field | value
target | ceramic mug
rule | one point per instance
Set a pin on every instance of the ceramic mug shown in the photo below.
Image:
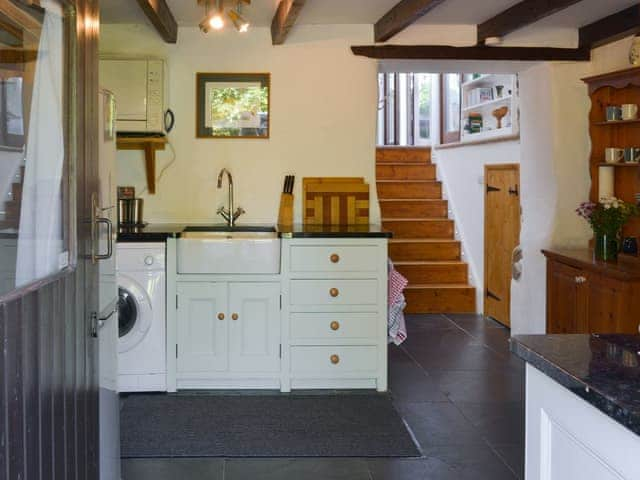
(629, 111)
(613, 113)
(613, 155)
(632, 155)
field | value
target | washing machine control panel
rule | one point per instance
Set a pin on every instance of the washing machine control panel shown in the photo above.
(134, 257)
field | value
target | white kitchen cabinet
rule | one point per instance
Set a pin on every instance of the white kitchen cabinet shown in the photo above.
(202, 328)
(254, 328)
(568, 438)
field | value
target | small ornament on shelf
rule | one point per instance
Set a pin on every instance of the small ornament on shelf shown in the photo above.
(500, 113)
(634, 52)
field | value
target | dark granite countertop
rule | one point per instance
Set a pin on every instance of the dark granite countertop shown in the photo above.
(603, 370)
(159, 232)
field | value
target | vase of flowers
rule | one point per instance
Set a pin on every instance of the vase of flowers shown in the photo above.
(606, 219)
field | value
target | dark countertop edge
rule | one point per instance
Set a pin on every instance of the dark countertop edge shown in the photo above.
(580, 258)
(156, 233)
(582, 389)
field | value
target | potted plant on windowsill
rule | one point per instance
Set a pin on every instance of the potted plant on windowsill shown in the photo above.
(606, 219)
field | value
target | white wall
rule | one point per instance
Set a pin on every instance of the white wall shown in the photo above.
(461, 170)
(323, 118)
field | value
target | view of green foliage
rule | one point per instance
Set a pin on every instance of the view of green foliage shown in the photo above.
(228, 104)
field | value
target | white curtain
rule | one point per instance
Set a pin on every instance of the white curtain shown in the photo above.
(40, 240)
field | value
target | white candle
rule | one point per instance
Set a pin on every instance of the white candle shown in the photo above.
(606, 182)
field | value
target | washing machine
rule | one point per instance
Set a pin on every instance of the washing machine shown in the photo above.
(142, 352)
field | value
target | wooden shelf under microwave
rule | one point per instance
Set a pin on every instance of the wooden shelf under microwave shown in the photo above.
(149, 145)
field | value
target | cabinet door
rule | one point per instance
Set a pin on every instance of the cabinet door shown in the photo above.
(608, 306)
(565, 299)
(202, 328)
(254, 344)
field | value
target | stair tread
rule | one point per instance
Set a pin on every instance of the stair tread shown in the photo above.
(425, 200)
(430, 262)
(430, 286)
(408, 181)
(423, 240)
(411, 164)
(419, 219)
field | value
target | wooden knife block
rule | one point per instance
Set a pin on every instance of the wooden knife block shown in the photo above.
(285, 216)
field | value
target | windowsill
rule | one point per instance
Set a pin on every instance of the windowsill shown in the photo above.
(480, 141)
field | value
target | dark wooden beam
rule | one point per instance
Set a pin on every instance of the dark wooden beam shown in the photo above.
(440, 52)
(401, 16)
(158, 12)
(520, 15)
(284, 19)
(611, 28)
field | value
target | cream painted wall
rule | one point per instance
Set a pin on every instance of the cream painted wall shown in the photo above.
(461, 170)
(323, 118)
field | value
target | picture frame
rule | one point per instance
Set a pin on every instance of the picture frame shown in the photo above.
(233, 105)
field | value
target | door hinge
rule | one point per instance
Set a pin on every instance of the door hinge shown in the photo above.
(176, 301)
(176, 350)
(492, 189)
(514, 191)
(280, 353)
(490, 294)
(280, 301)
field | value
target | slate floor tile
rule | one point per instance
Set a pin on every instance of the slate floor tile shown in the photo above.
(296, 469)
(499, 423)
(485, 386)
(513, 456)
(172, 469)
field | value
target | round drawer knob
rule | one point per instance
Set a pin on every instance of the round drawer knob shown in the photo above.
(335, 326)
(334, 292)
(335, 359)
(221, 316)
(335, 258)
(234, 316)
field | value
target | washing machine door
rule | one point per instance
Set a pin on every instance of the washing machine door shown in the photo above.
(135, 315)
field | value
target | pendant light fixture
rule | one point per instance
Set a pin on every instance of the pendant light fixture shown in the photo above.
(214, 16)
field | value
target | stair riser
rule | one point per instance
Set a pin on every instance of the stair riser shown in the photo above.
(426, 274)
(394, 155)
(433, 229)
(16, 191)
(440, 300)
(410, 209)
(405, 172)
(407, 252)
(427, 191)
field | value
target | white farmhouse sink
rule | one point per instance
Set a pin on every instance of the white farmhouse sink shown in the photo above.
(237, 251)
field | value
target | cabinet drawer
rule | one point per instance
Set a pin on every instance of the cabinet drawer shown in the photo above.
(332, 326)
(334, 292)
(337, 258)
(329, 361)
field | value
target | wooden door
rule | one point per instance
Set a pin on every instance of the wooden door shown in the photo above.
(501, 237)
(254, 340)
(202, 328)
(49, 363)
(566, 307)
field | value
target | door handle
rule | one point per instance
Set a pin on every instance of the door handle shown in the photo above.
(109, 224)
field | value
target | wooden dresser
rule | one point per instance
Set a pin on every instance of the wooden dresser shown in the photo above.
(585, 295)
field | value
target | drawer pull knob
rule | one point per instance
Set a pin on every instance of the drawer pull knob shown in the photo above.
(335, 258)
(234, 316)
(335, 359)
(221, 316)
(334, 292)
(580, 279)
(335, 326)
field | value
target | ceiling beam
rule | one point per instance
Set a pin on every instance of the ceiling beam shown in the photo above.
(401, 16)
(611, 28)
(520, 15)
(284, 20)
(159, 14)
(440, 52)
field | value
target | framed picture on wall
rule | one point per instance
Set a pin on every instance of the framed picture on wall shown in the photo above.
(233, 105)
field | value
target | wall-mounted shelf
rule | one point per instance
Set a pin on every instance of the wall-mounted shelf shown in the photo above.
(618, 122)
(620, 164)
(149, 145)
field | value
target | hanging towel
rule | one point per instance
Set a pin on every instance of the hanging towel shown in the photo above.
(397, 303)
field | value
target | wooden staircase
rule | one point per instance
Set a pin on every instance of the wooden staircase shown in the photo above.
(423, 247)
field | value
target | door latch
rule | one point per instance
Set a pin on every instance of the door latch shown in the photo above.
(514, 191)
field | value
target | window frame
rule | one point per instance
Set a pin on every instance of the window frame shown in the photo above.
(449, 136)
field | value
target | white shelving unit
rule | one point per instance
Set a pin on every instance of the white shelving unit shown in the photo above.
(481, 95)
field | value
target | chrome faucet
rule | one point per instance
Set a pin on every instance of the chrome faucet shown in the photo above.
(229, 214)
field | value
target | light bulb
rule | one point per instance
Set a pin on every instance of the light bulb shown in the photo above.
(216, 22)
